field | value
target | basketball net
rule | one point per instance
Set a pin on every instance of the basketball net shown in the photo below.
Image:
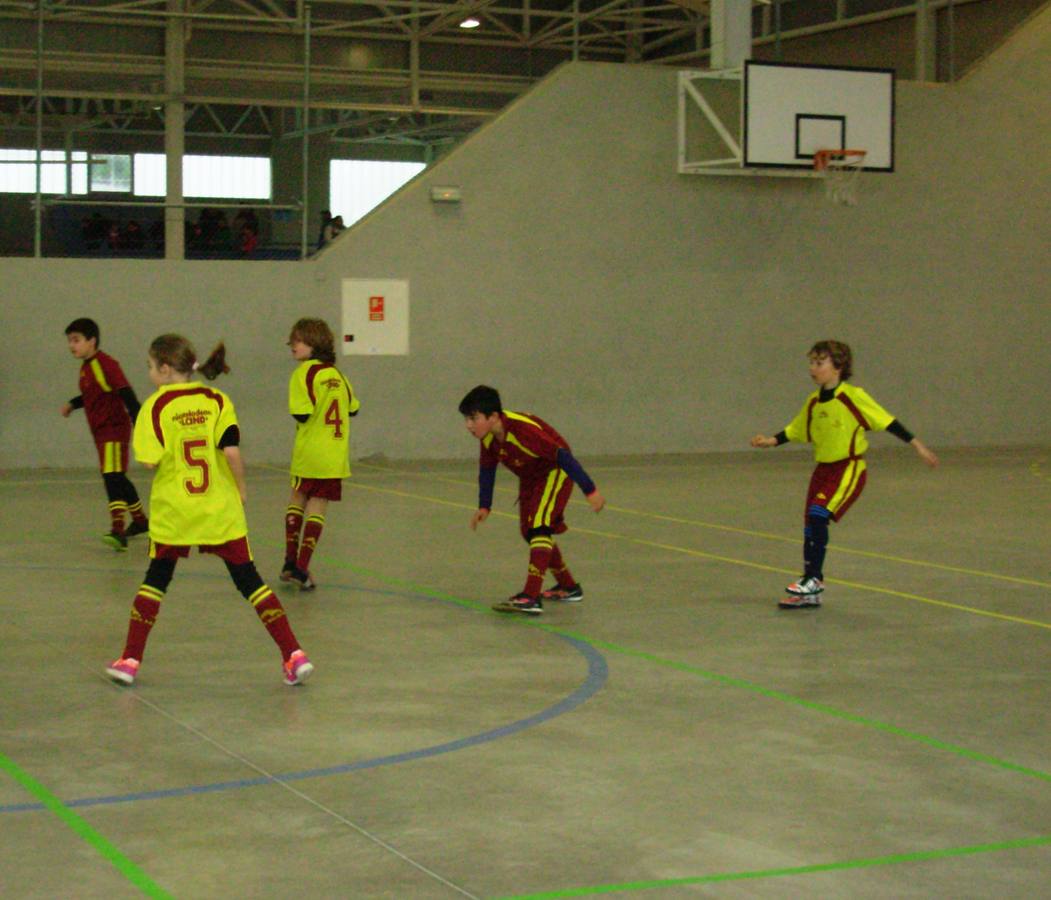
(841, 170)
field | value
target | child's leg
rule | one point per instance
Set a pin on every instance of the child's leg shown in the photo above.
(135, 510)
(293, 525)
(559, 569)
(146, 606)
(118, 505)
(314, 511)
(815, 542)
(266, 605)
(541, 518)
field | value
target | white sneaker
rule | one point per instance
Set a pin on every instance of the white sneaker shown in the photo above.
(807, 586)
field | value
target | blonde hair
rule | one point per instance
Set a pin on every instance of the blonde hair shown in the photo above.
(316, 334)
(175, 351)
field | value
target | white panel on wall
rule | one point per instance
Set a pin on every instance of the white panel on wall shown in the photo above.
(375, 317)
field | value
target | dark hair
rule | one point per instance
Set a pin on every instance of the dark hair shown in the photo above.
(175, 351)
(87, 327)
(839, 353)
(316, 334)
(482, 399)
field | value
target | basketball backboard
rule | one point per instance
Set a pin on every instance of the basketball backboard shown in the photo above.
(771, 118)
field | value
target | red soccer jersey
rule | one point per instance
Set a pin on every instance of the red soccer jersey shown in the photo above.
(100, 379)
(529, 448)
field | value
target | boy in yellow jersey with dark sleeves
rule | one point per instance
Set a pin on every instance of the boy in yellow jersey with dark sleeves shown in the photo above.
(834, 419)
(110, 405)
(547, 471)
(189, 433)
(322, 402)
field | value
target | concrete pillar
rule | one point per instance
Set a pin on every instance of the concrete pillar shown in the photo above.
(926, 42)
(174, 130)
(731, 23)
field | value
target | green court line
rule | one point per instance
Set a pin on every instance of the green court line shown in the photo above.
(715, 677)
(81, 828)
(893, 859)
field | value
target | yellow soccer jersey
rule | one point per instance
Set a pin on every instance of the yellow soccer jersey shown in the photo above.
(322, 447)
(837, 427)
(194, 499)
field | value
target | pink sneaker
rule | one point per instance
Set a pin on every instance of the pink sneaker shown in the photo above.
(123, 670)
(297, 668)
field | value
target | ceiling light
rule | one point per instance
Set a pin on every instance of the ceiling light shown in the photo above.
(470, 22)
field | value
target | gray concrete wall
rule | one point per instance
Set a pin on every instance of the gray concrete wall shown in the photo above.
(639, 310)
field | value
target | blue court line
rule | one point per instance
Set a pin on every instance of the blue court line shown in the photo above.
(598, 672)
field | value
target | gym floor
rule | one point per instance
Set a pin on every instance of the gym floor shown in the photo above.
(673, 735)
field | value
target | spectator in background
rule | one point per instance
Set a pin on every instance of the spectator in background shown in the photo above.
(334, 227)
(249, 240)
(326, 219)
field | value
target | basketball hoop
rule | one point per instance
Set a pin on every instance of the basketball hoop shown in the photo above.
(841, 170)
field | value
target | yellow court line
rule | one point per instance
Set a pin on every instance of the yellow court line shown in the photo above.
(944, 567)
(701, 554)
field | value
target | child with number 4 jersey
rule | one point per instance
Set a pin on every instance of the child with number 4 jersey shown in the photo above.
(834, 419)
(189, 433)
(322, 402)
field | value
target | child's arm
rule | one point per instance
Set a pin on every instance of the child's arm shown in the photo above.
(131, 402)
(763, 440)
(571, 466)
(902, 433)
(76, 403)
(925, 453)
(237, 469)
(486, 482)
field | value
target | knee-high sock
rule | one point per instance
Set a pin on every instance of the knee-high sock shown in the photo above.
(131, 497)
(311, 535)
(266, 605)
(540, 547)
(118, 504)
(293, 525)
(815, 541)
(559, 569)
(146, 606)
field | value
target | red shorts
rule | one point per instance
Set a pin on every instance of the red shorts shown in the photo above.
(113, 456)
(541, 503)
(235, 552)
(322, 488)
(835, 486)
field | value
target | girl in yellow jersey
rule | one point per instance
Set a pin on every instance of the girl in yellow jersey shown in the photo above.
(834, 419)
(189, 434)
(322, 402)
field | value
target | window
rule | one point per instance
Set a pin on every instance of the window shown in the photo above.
(20, 178)
(233, 177)
(111, 172)
(357, 186)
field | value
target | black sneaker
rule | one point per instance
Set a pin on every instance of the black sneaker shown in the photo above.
(135, 528)
(117, 541)
(521, 603)
(302, 580)
(572, 594)
(286, 571)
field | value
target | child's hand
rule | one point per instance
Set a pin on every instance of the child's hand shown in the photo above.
(480, 515)
(926, 454)
(66, 410)
(596, 501)
(762, 440)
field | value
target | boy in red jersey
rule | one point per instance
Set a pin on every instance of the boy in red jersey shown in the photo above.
(834, 419)
(546, 471)
(111, 407)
